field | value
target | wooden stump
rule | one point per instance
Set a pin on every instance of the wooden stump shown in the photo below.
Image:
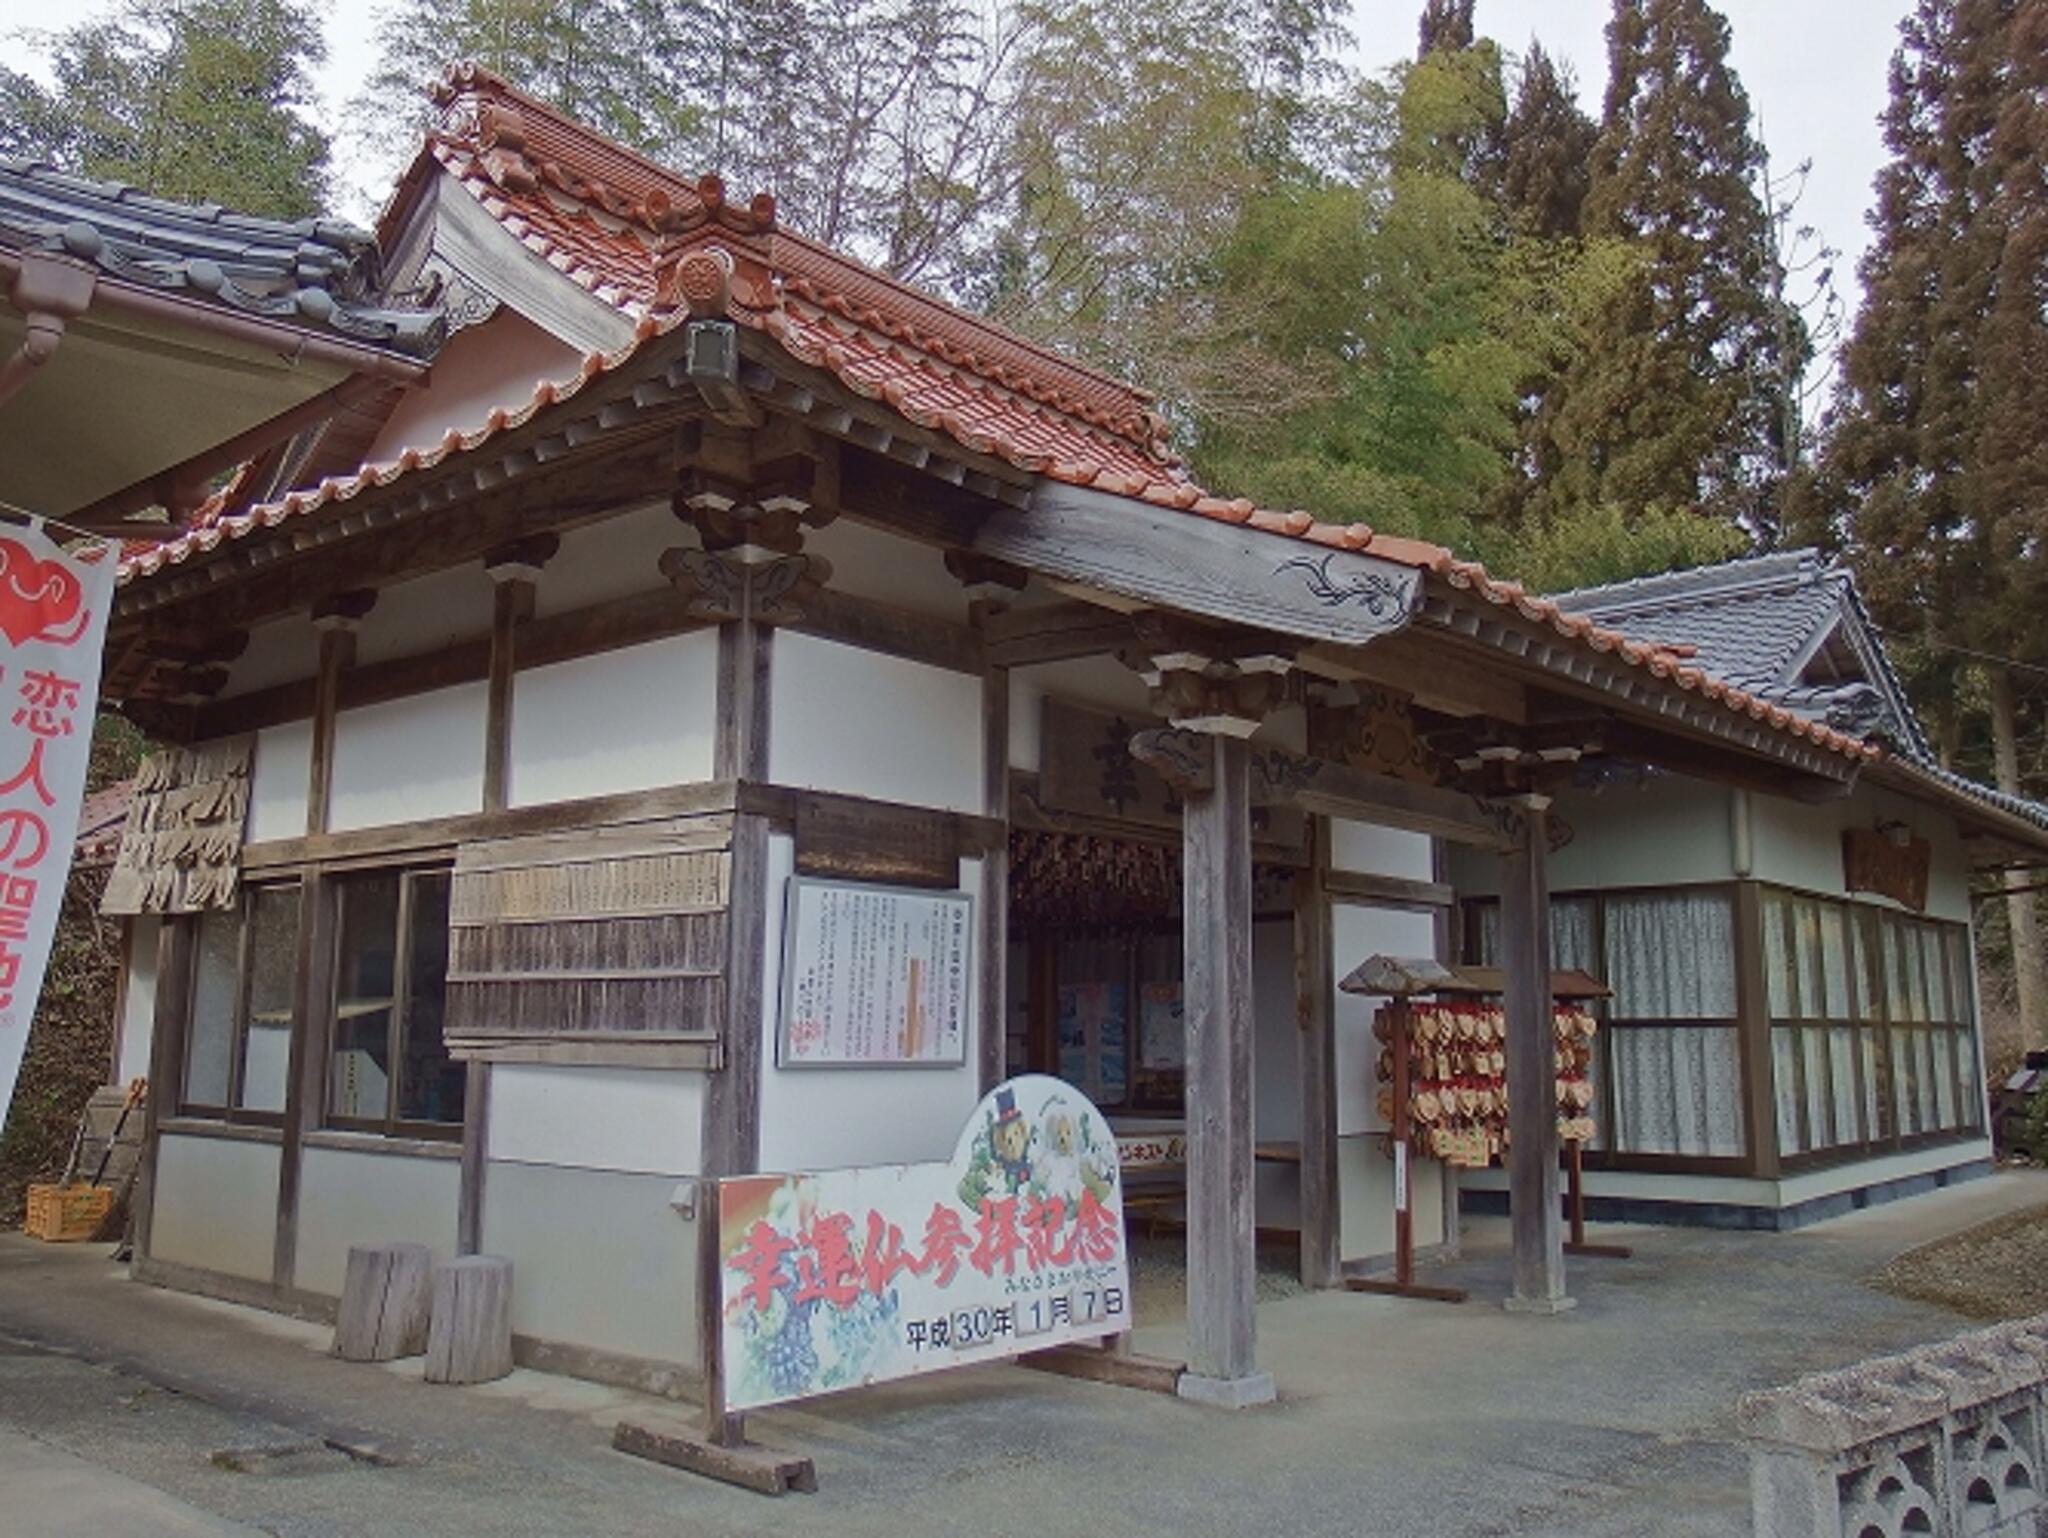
(385, 1295)
(471, 1337)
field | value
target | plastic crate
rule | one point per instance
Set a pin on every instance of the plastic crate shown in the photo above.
(63, 1214)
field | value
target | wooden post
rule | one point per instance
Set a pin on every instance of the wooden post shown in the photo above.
(1400, 1130)
(337, 619)
(732, 1100)
(1321, 1251)
(175, 944)
(1222, 1262)
(994, 980)
(1575, 1209)
(1753, 1034)
(1532, 1071)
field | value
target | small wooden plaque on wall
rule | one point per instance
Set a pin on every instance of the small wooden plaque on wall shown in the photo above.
(1873, 862)
(903, 846)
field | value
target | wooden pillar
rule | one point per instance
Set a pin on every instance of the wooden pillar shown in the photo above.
(337, 618)
(1753, 1035)
(1314, 1002)
(1222, 1267)
(732, 1096)
(994, 971)
(174, 951)
(514, 571)
(1531, 1067)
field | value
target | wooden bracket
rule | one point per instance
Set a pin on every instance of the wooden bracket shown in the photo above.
(344, 610)
(777, 591)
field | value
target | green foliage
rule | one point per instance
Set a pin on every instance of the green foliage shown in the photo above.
(191, 99)
(1606, 543)
(1934, 475)
(1672, 400)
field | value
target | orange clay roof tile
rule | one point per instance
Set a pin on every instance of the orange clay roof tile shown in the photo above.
(996, 394)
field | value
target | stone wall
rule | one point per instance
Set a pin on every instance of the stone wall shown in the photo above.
(1944, 1439)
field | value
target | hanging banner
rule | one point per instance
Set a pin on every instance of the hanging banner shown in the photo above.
(847, 1277)
(53, 621)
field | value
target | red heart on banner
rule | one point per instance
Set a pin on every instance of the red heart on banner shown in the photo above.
(36, 597)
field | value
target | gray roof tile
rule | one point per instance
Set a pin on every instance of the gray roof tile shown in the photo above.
(315, 273)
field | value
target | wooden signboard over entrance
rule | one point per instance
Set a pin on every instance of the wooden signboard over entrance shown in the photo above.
(1086, 767)
(1872, 862)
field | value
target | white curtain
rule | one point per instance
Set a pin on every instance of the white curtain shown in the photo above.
(1677, 1090)
(1671, 956)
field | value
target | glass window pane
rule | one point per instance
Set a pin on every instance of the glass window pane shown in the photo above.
(1870, 975)
(1571, 934)
(1896, 991)
(1814, 1040)
(273, 958)
(1806, 939)
(1842, 1071)
(359, 1064)
(1963, 1002)
(1834, 957)
(1671, 956)
(1924, 1081)
(210, 1040)
(1677, 1090)
(1785, 1087)
(1944, 1049)
(1969, 1098)
(430, 1084)
(1778, 980)
(1905, 1104)
(1937, 977)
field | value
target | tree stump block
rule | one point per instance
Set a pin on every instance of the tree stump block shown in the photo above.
(470, 1340)
(385, 1296)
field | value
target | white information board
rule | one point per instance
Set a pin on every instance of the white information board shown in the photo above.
(874, 975)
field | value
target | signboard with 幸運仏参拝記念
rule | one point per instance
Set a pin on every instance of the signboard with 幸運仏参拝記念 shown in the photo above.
(875, 975)
(846, 1277)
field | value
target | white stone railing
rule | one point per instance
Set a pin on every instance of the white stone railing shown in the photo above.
(1947, 1439)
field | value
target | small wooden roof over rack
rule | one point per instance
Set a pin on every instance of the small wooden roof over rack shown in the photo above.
(1406, 976)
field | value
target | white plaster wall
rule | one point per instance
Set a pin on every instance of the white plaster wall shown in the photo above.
(495, 364)
(1365, 1174)
(600, 1259)
(1801, 845)
(643, 1121)
(824, 1118)
(847, 719)
(278, 780)
(1666, 831)
(1376, 851)
(278, 653)
(616, 558)
(631, 719)
(215, 1205)
(409, 759)
(370, 1197)
(1365, 1199)
(1356, 932)
(427, 614)
(138, 1001)
(872, 563)
(1276, 1072)
(1102, 682)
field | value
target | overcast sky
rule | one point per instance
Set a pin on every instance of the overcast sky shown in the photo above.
(1815, 71)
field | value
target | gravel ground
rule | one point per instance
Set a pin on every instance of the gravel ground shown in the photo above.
(1996, 1270)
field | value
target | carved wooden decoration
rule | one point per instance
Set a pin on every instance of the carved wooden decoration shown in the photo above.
(1378, 734)
(182, 848)
(776, 592)
(1899, 869)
